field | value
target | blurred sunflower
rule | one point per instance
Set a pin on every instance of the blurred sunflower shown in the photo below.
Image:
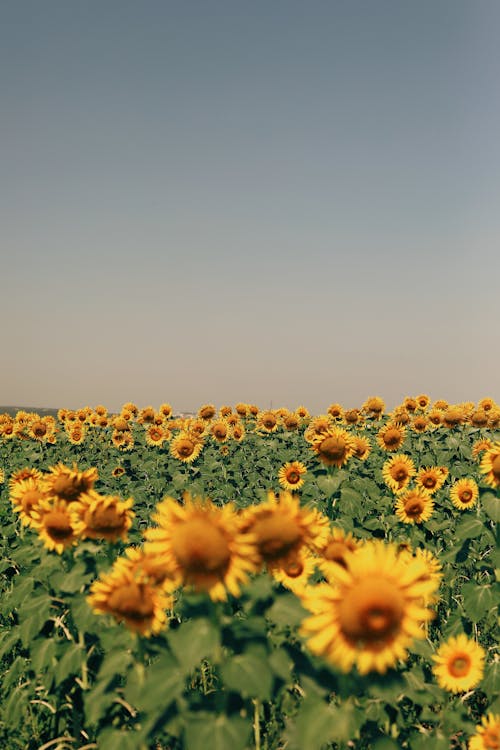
(370, 611)
(400, 417)
(146, 415)
(238, 432)
(290, 475)
(207, 411)
(490, 465)
(165, 410)
(464, 493)
(130, 407)
(118, 471)
(391, 437)
(423, 401)
(479, 418)
(25, 496)
(415, 506)
(487, 735)
(26, 473)
(97, 516)
(397, 472)
(186, 447)
(362, 447)
(241, 409)
(336, 411)
(2, 476)
(53, 521)
(352, 416)
(124, 594)
(318, 427)
(291, 422)
(431, 571)
(487, 404)
(76, 435)
(335, 549)
(481, 445)
(420, 423)
(453, 416)
(296, 572)
(440, 404)
(334, 447)
(410, 404)
(302, 412)
(220, 430)
(282, 528)
(374, 406)
(435, 417)
(201, 545)
(120, 424)
(68, 483)
(155, 435)
(197, 427)
(150, 568)
(431, 479)
(459, 664)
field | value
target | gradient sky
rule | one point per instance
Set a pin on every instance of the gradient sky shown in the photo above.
(276, 202)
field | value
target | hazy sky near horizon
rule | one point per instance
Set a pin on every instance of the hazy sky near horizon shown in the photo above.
(275, 202)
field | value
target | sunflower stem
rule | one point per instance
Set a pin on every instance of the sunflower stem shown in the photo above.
(256, 723)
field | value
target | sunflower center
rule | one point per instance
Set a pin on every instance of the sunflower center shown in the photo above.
(200, 547)
(414, 507)
(293, 477)
(66, 487)
(392, 437)
(459, 665)
(429, 482)
(491, 738)
(495, 467)
(466, 496)
(58, 525)
(185, 447)
(104, 519)
(333, 448)
(335, 551)
(132, 601)
(400, 474)
(371, 611)
(39, 429)
(294, 568)
(276, 536)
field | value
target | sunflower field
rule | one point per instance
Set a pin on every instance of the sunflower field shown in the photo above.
(242, 579)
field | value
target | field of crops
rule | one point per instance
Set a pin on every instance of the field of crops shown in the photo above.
(245, 578)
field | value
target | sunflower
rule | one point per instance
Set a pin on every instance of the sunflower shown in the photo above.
(459, 664)
(335, 548)
(370, 610)
(238, 432)
(7, 429)
(21, 474)
(494, 418)
(334, 447)
(150, 568)
(410, 404)
(435, 417)
(488, 734)
(202, 545)
(290, 475)
(283, 528)
(362, 447)
(41, 429)
(130, 407)
(220, 430)
(374, 406)
(68, 483)
(165, 410)
(415, 506)
(2, 476)
(423, 401)
(120, 424)
(490, 465)
(296, 572)
(129, 598)
(76, 434)
(102, 516)
(146, 415)
(440, 404)
(397, 472)
(431, 479)
(155, 435)
(118, 471)
(481, 445)
(432, 568)
(400, 417)
(197, 427)
(479, 418)
(122, 440)
(207, 411)
(186, 447)
(336, 411)
(53, 521)
(352, 416)
(420, 423)
(317, 427)
(241, 409)
(391, 437)
(101, 410)
(464, 493)
(25, 496)
(487, 404)
(291, 422)
(253, 410)
(267, 421)
(453, 416)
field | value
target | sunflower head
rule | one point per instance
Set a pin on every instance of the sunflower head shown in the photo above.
(431, 479)
(68, 483)
(334, 447)
(290, 475)
(464, 493)
(490, 465)
(459, 664)
(53, 521)
(186, 446)
(391, 437)
(415, 506)
(487, 735)
(98, 516)
(397, 472)
(26, 495)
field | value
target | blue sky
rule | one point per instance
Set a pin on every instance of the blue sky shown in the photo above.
(271, 202)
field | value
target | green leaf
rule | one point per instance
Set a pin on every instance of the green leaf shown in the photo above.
(469, 528)
(281, 664)
(114, 663)
(33, 615)
(317, 723)
(193, 641)
(43, 654)
(491, 504)
(385, 743)
(287, 611)
(70, 663)
(249, 675)
(154, 687)
(216, 732)
(329, 484)
(478, 600)
(113, 739)
(491, 681)
(97, 702)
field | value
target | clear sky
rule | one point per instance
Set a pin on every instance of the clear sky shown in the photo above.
(276, 202)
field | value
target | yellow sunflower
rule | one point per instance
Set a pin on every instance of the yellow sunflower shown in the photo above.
(481, 445)
(423, 401)
(129, 598)
(102, 516)
(459, 664)
(76, 434)
(68, 483)
(490, 465)
(220, 430)
(415, 506)
(479, 418)
(453, 416)
(207, 411)
(397, 472)
(318, 427)
(165, 410)
(487, 404)
(146, 415)
(352, 416)
(201, 545)
(488, 734)
(464, 493)
(435, 417)
(118, 471)
(283, 528)
(391, 437)
(53, 521)
(431, 478)
(290, 475)
(432, 569)
(150, 568)
(297, 571)
(25, 496)
(291, 422)
(420, 423)
(334, 447)
(370, 611)
(267, 421)
(336, 411)
(362, 447)
(335, 549)
(241, 409)
(186, 446)
(238, 432)
(21, 474)
(155, 435)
